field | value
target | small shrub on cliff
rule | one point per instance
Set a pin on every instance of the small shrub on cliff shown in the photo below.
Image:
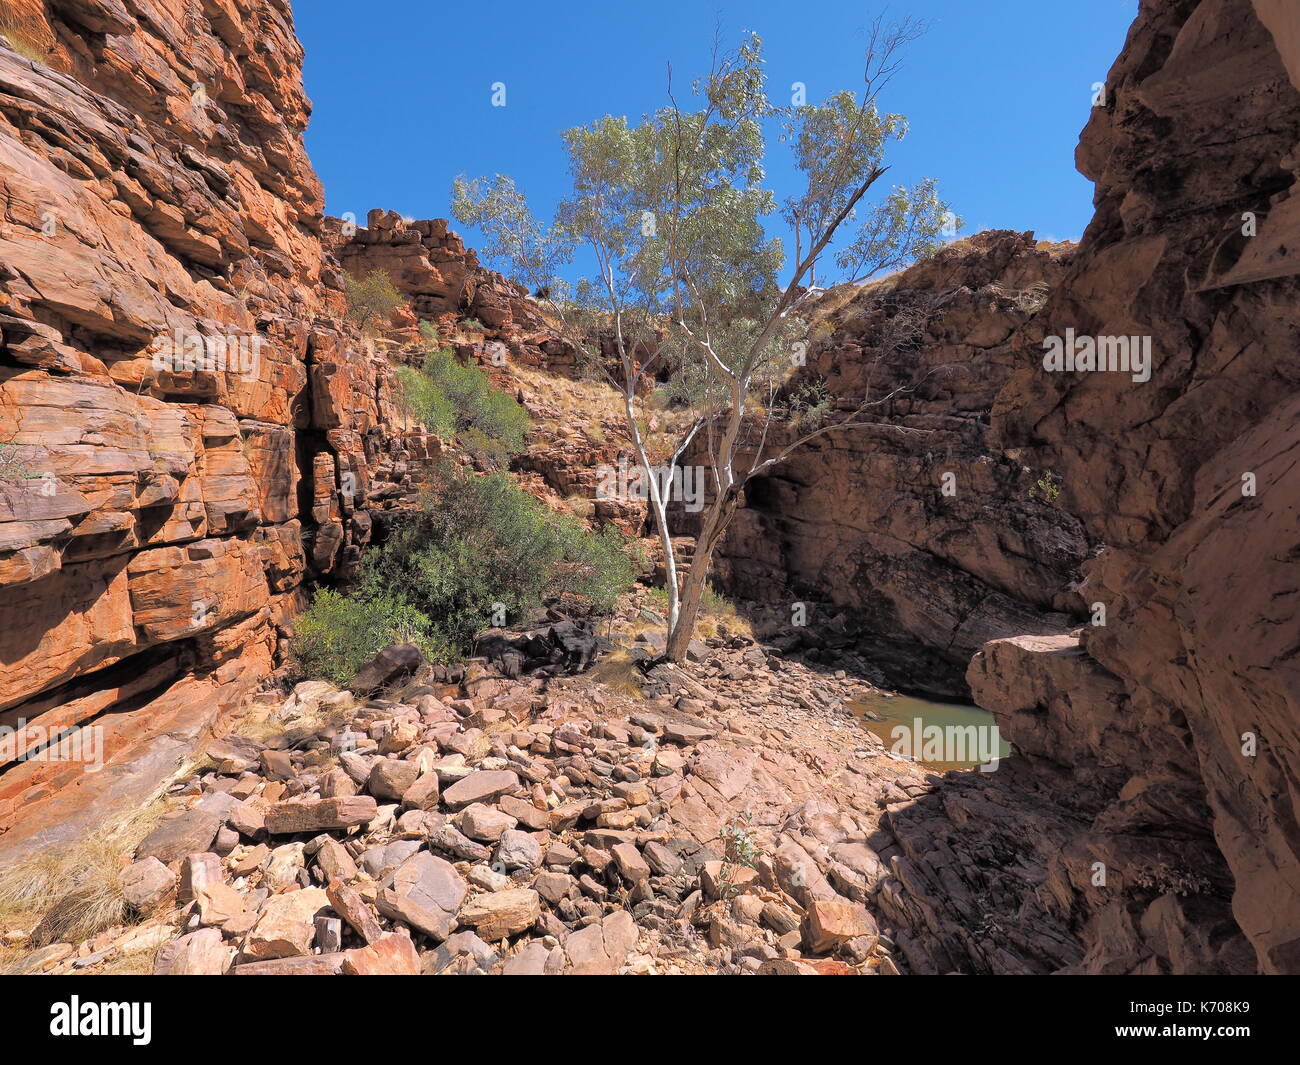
(14, 465)
(373, 299)
(1045, 488)
(459, 401)
(338, 634)
(480, 544)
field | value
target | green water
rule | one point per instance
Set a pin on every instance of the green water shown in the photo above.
(952, 745)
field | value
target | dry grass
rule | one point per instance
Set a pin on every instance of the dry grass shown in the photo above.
(581, 506)
(715, 610)
(294, 721)
(596, 401)
(25, 43)
(75, 893)
(617, 672)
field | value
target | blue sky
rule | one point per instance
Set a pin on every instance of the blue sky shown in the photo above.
(996, 93)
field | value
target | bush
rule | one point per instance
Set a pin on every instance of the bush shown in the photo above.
(480, 541)
(459, 401)
(337, 635)
(14, 465)
(374, 297)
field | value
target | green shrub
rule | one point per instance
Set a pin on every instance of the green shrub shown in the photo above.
(459, 401)
(338, 634)
(1045, 488)
(14, 465)
(373, 298)
(480, 541)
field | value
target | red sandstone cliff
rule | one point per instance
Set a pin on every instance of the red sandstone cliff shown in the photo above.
(1201, 571)
(157, 519)
(931, 539)
(1148, 820)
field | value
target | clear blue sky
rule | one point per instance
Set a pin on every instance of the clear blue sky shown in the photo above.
(996, 92)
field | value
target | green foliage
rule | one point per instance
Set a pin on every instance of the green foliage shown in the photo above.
(1045, 488)
(739, 848)
(374, 298)
(338, 634)
(480, 541)
(808, 405)
(673, 207)
(459, 401)
(14, 464)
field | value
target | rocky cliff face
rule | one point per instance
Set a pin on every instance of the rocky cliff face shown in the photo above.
(1147, 822)
(927, 537)
(1191, 478)
(1148, 818)
(189, 430)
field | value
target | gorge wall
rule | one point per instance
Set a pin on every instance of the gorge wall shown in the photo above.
(1148, 820)
(158, 516)
(929, 538)
(1193, 478)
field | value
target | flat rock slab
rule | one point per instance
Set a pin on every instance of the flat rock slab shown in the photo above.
(480, 786)
(173, 839)
(318, 815)
(498, 914)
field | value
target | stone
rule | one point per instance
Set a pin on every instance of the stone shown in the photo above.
(524, 812)
(393, 954)
(247, 820)
(630, 863)
(329, 934)
(316, 815)
(502, 913)
(389, 664)
(285, 926)
(600, 949)
(193, 830)
(201, 953)
(218, 904)
(480, 786)
(554, 886)
(334, 861)
(423, 794)
(828, 925)
(487, 878)
(486, 824)
(283, 866)
(660, 859)
(146, 884)
(349, 905)
(391, 777)
(198, 871)
(435, 923)
(430, 882)
(518, 850)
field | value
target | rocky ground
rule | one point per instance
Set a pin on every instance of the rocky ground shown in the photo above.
(566, 826)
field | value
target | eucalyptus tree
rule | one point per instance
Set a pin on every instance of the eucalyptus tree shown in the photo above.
(691, 289)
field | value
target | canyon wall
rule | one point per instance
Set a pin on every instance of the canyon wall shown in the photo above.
(1147, 821)
(159, 512)
(1192, 479)
(926, 537)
